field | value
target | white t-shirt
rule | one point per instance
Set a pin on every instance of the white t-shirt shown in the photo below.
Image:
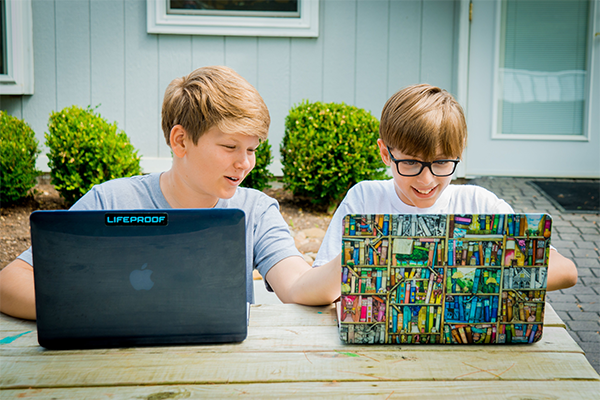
(380, 197)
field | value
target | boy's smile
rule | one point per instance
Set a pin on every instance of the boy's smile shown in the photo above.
(421, 191)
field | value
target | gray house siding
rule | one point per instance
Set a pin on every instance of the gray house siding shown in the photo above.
(98, 52)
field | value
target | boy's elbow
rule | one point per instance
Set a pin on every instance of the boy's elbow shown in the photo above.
(571, 279)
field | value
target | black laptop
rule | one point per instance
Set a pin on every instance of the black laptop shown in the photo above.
(139, 277)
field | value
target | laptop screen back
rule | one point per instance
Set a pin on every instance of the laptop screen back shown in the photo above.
(444, 279)
(126, 278)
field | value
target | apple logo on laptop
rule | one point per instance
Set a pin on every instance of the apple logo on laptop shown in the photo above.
(140, 278)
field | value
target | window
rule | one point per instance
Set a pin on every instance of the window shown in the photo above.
(543, 71)
(16, 47)
(293, 18)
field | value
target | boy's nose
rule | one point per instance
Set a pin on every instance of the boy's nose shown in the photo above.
(243, 162)
(426, 176)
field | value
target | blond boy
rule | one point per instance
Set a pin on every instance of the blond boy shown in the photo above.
(213, 120)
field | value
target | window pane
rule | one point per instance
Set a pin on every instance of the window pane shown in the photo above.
(543, 67)
(3, 69)
(264, 8)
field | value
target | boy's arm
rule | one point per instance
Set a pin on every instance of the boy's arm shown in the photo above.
(562, 272)
(17, 294)
(294, 281)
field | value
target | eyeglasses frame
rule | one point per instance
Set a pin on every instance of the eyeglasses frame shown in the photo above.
(423, 165)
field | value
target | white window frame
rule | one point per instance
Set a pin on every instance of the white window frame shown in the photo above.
(307, 25)
(19, 49)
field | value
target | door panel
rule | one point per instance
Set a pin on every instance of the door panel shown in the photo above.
(533, 88)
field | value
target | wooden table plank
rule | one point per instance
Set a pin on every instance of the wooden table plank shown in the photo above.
(294, 351)
(467, 390)
(295, 338)
(166, 367)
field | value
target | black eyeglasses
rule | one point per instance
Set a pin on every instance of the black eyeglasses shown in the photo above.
(415, 167)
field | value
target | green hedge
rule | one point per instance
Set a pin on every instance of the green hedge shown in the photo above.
(327, 148)
(18, 154)
(260, 176)
(86, 150)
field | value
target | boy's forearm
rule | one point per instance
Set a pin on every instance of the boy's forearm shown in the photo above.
(320, 285)
(562, 272)
(294, 281)
(17, 294)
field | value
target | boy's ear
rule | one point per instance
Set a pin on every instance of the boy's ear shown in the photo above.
(177, 140)
(383, 152)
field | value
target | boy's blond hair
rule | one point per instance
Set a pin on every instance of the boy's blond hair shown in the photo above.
(214, 96)
(424, 121)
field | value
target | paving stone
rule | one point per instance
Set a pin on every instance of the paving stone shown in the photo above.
(574, 335)
(570, 236)
(561, 222)
(578, 289)
(561, 298)
(566, 229)
(582, 326)
(563, 243)
(586, 262)
(589, 336)
(590, 281)
(592, 307)
(583, 316)
(588, 298)
(572, 217)
(586, 253)
(565, 316)
(588, 224)
(583, 271)
(592, 239)
(562, 306)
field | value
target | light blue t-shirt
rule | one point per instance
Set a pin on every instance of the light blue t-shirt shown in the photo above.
(268, 239)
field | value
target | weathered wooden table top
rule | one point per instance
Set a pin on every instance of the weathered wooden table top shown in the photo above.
(294, 351)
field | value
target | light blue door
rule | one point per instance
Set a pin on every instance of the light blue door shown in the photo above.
(533, 103)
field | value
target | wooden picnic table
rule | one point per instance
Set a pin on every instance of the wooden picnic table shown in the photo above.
(294, 351)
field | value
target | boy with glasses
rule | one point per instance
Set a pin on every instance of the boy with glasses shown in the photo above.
(423, 133)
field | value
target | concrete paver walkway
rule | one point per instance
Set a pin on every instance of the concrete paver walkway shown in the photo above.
(576, 236)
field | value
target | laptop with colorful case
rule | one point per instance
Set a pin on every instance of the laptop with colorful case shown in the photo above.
(444, 279)
(139, 277)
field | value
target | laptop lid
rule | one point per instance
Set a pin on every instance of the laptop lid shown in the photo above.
(444, 279)
(129, 278)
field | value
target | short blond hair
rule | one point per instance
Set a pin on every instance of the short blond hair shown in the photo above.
(422, 120)
(214, 96)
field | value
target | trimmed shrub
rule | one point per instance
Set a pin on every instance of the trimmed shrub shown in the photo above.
(18, 153)
(86, 150)
(327, 148)
(260, 176)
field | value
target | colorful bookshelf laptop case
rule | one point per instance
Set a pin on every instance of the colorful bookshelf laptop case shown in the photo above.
(444, 279)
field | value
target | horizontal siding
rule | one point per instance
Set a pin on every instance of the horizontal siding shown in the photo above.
(97, 53)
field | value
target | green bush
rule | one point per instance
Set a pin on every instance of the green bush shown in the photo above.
(86, 150)
(260, 176)
(328, 148)
(18, 153)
